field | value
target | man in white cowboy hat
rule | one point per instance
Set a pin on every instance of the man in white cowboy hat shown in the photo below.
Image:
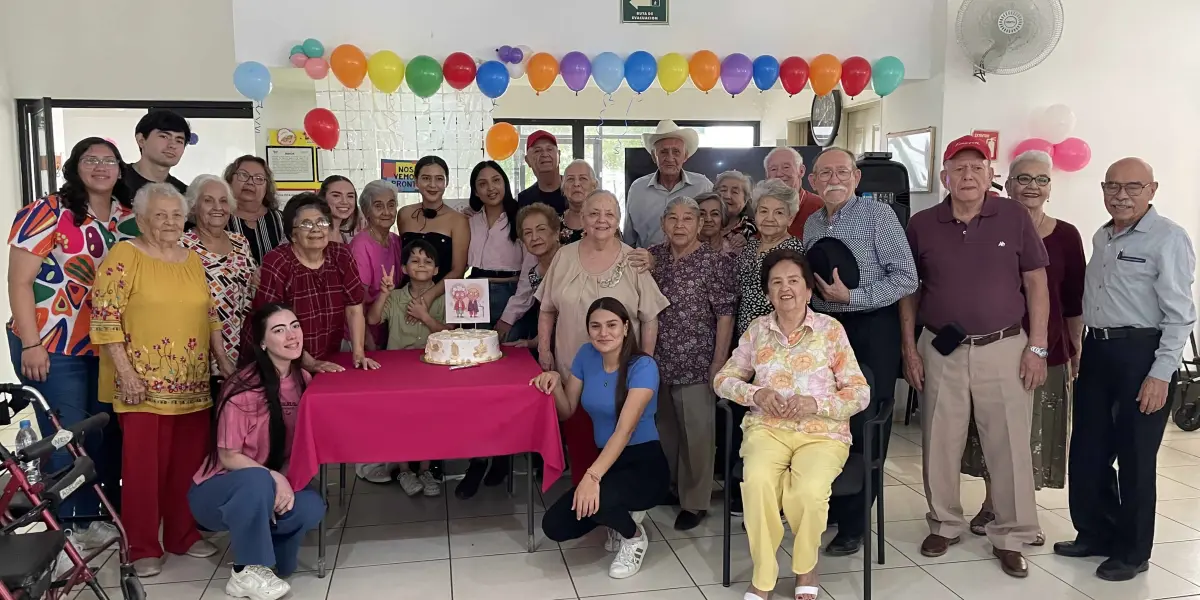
(671, 146)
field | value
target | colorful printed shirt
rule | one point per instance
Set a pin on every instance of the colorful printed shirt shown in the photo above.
(229, 283)
(701, 289)
(814, 360)
(62, 290)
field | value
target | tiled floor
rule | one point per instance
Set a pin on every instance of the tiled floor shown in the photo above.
(385, 545)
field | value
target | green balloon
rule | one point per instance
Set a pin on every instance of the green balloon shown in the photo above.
(297, 49)
(423, 75)
(312, 48)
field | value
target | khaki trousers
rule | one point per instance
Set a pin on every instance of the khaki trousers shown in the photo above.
(686, 415)
(985, 379)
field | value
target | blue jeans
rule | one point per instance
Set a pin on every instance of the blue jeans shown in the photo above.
(498, 295)
(71, 391)
(242, 502)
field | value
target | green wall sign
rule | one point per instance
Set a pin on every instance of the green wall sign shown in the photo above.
(644, 12)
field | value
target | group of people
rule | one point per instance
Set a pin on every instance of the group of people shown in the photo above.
(198, 313)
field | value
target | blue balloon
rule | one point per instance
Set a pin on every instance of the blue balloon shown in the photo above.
(886, 75)
(608, 71)
(313, 48)
(766, 72)
(252, 80)
(640, 70)
(492, 78)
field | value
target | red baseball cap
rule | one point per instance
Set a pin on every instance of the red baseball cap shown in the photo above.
(966, 142)
(538, 136)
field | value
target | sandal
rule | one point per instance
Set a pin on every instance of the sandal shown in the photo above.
(981, 520)
(1040, 540)
(811, 591)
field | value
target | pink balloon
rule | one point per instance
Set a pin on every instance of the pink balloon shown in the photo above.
(316, 68)
(1072, 154)
(298, 59)
(1032, 144)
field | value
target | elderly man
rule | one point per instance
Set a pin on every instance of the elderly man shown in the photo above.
(671, 146)
(1138, 309)
(982, 268)
(787, 164)
(541, 154)
(862, 239)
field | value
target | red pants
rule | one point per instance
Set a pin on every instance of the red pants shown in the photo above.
(581, 444)
(159, 458)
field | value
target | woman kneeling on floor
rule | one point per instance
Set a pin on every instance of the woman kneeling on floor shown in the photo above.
(618, 387)
(241, 487)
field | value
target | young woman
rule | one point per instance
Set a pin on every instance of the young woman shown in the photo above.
(241, 487)
(436, 223)
(339, 193)
(618, 387)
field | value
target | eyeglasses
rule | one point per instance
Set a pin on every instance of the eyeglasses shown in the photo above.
(96, 161)
(1133, 188)
(1042, 180)
(843, 174)
(246, 176)
(309, 225)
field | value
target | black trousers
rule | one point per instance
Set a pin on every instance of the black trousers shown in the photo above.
(639, 480)
(1115, 509)
(875, 338)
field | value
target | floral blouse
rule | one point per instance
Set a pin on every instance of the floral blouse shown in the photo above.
(754, 302)
(700, 288)
(70, 253)
(814, 360)
(163, 313)
(229, 283)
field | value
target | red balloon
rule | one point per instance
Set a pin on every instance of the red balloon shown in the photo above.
(856, 74)
(459, 70)
(322, 128)
(793, 72)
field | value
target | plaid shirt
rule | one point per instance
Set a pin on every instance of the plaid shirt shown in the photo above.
(871, 230)
(319, 297)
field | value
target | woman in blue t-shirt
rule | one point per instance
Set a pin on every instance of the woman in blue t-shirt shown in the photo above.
(618, 387)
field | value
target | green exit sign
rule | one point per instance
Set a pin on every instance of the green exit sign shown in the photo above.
(644, 12)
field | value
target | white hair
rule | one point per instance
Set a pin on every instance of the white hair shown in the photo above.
(156, 190)
(599, 192)
(684, 201)
(1035, 156)
(796, 158)
(373, 189)
(739, 176)
(197, 187)
(777, 189)
(579, 161)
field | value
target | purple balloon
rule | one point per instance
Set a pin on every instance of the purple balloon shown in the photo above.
(517, 55)
(736, 72)
(504, 53)
(576, 69)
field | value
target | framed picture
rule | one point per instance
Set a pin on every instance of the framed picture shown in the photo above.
(915, 149)
(467, 301)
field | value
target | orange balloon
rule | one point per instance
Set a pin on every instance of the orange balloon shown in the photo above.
(501, 141)
(705, 70)
(542, 71)
(349, 65)
(824, 72)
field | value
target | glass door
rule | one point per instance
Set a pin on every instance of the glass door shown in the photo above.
(40, 162)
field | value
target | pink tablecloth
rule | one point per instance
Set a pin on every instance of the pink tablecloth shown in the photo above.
(409, 410)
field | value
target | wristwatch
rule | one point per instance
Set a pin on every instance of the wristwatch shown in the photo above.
(1039, 351)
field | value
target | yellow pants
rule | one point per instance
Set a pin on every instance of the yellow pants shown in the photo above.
(793, 471)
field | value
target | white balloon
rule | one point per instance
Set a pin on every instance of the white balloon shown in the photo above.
(526, 52)
(516, 71)
(1055, 124)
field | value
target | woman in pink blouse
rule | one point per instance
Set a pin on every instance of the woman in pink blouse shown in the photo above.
(376, 250)
(794, 369)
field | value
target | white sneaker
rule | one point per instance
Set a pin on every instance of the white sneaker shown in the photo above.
(374, 472)
(257, 583)
(629, 558)
(409, 483)
(203, 549)
(96, 535)
(148, 567)
(431, 485)
(613, 542)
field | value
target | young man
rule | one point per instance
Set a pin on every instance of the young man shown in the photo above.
(541, 154)
(162, 136)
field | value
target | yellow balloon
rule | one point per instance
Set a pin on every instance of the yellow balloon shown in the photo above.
(386, 71)
(672, 71)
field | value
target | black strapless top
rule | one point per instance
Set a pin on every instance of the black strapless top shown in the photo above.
(441, 243)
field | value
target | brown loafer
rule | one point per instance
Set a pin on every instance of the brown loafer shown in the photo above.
(936, 545)
(1039, 540)
(1011, 562)
(980, 522)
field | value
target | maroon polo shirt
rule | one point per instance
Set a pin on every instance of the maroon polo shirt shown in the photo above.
(971, 272)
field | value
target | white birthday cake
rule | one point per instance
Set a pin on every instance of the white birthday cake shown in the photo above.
(462, 347)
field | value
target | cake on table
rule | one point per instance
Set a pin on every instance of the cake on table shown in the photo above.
(462, 347)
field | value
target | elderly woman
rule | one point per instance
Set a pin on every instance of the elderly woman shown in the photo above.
(256, 210)
(51, 348)
(226, 258)
(795, 371)
(495, 252)
(1029, 183)
(596, 266)
(734, 189)
(320, 282)
(376, 250)
(431, 220)
(693, 343)
(775, 204)
(338, 191)
(158, 327)
(539, 227)
(713, 215)
(579, 180)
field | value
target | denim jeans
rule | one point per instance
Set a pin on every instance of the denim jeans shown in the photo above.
(71, 391)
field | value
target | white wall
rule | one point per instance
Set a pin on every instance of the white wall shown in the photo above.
(559, 102)
(10, 195)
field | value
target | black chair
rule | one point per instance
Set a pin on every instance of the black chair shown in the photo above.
(862, 472)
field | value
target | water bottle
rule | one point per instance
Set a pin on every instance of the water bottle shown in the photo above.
(26, 437)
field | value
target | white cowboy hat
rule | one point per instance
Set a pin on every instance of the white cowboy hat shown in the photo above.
(668, 129)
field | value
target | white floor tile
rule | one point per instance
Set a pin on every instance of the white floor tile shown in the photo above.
(898, 584)
(661, 570)
(1165, 530)
(393, 507)
(713, 524)
(702, 559)
(506, 534)
(187, 590)
(1168, 456)
(492, 501)
(1080, 573)
(598, 535)
(1186, 512)
(902, 504)
(906, 537)
(1171, 489)
(889, 481)
(536, 576)
(1180, 558)
(305, 586)
(1186, 475)
(1189, 445)
(424, 580)
(1052, 499)
(737, 591)
(905, 469)
(176, 569)
(893, 558)
(983, 580)
(901, 446)
(388, 544)
(688, 593)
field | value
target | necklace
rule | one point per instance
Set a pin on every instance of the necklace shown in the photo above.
(1041, 222)
(428, 213)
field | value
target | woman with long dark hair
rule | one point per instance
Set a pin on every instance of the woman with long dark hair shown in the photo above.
(617, 385)
(339, 193)
(241, 487)
(431, 220)
(56, 245)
